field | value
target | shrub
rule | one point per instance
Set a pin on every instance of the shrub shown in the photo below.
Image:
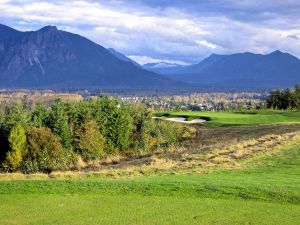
(160, 133)
(186, 132)
(45, 152)
(90, 144)
(164, 134)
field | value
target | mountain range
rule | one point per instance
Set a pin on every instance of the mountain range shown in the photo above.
(239, 71)
(52, 58)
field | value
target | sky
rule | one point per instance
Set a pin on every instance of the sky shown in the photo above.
(174, 31)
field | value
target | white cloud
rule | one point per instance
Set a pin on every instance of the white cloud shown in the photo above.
(145, 59)
(168, 33)
(206, 44)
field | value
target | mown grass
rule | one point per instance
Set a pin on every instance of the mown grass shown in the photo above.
(267, 192)
(136, 210)
(239, 118)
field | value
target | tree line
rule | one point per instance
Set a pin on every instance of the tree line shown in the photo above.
(284, 99)
(47, 138)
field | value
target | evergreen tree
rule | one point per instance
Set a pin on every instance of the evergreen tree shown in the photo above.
(297, 97)
(16, 114)
(284, 99)
(40, 115)
(58, 122)
(17, 141)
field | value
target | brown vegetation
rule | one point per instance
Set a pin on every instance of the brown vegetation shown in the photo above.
(31, 97)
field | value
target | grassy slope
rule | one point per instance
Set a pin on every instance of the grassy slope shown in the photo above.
(268, 194)
(241, 118)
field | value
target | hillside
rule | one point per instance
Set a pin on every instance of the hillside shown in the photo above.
(123, 57)
(57, 59)
(242, 70)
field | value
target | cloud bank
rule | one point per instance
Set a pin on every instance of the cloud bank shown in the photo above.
(169, 30)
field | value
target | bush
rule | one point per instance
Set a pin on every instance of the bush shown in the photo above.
(90, 144)
(160, 133)
(45, 152)
(186, 132)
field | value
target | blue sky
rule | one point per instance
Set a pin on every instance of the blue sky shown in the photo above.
(182, 31)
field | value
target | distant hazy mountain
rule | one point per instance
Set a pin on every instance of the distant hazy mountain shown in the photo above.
(53, 58)
(160, 65)
(242, 71)
(123, 57)
(163, 67)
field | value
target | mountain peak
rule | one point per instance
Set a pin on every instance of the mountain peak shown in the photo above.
(48, 28)
(277, 52)
(214, 55)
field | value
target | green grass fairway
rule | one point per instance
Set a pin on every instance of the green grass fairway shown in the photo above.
(141, 210)
(239, 118)
(265, 194)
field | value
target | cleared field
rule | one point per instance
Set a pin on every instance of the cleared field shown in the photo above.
(264, 193)
(238, 118)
